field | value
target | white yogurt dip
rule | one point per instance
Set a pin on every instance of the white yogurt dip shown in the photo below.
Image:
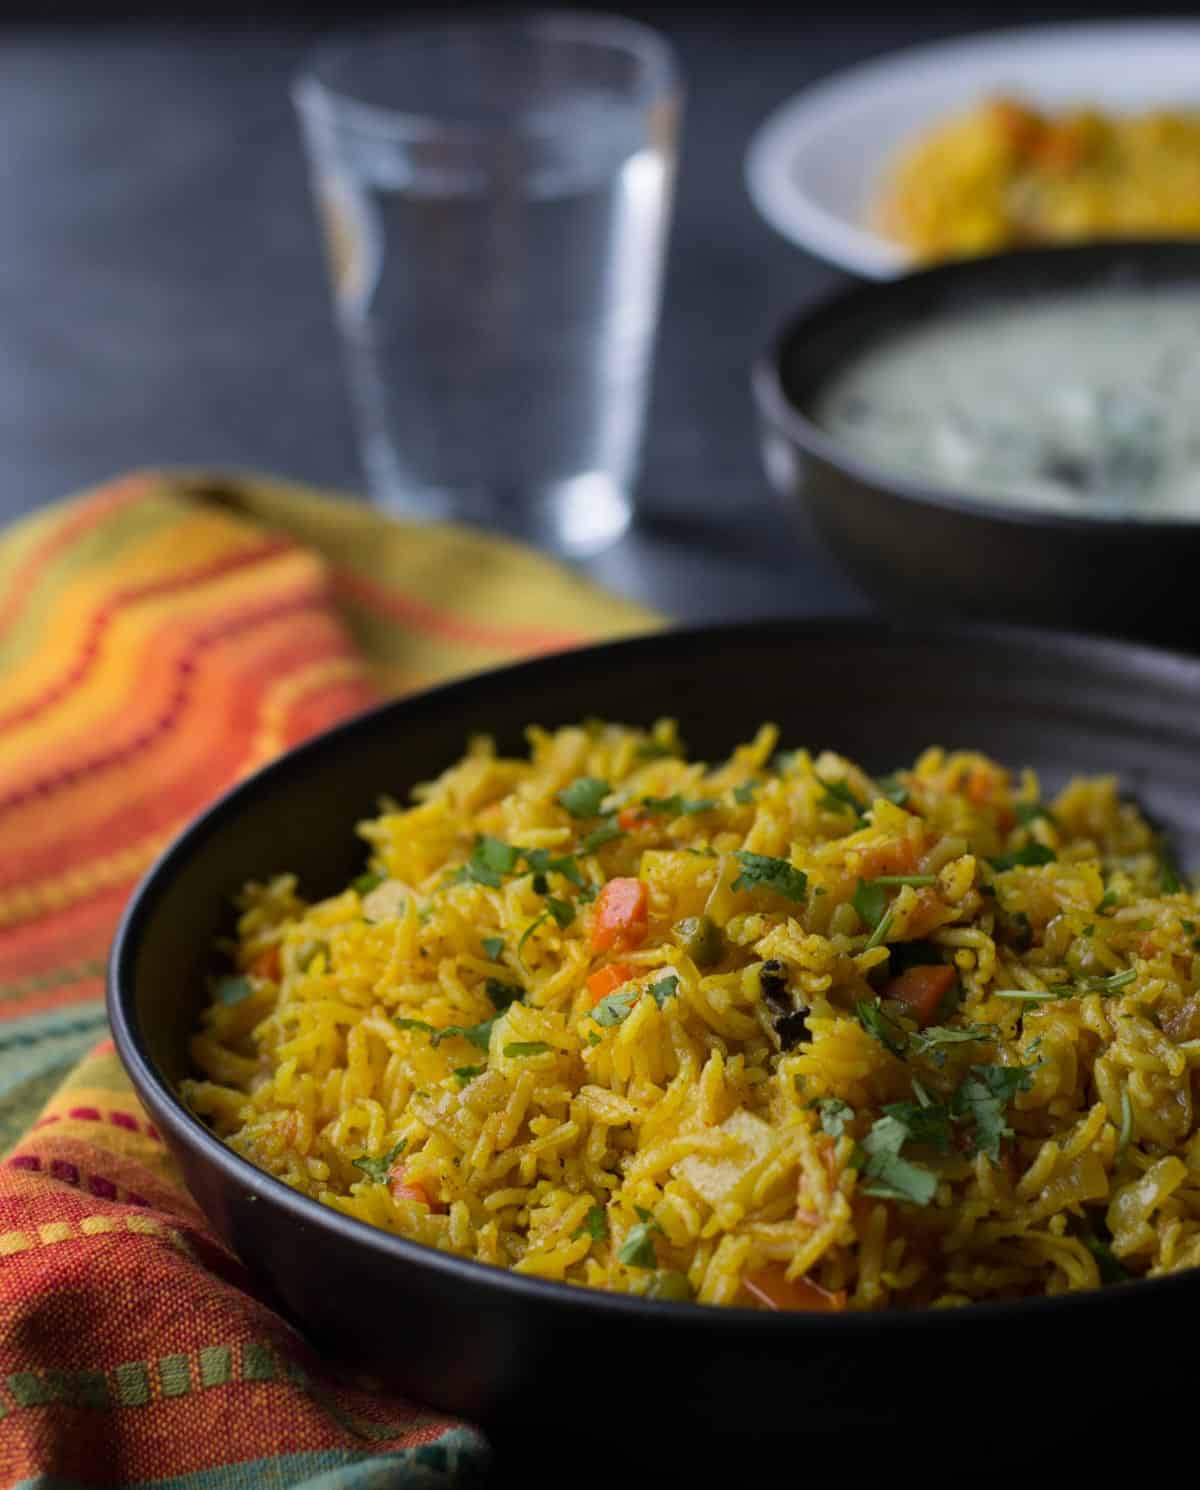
(1085, 402)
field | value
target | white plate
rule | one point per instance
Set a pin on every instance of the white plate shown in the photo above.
(813, 167)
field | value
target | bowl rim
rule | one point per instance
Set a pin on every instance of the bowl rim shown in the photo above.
(779, 410)
(169, 1110)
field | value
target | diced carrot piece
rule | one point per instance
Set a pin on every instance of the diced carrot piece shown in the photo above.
(922, 989)
(267, 964)
(979, 787)
(630, 818)
(403, 1189)
(620, 918)
(897, 857)
(606, 979)
(770, 1289)
(1147, 947)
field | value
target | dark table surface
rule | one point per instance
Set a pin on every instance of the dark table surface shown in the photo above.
(163, 300)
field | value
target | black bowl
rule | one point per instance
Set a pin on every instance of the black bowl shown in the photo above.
(921, 548)
(710, 1392)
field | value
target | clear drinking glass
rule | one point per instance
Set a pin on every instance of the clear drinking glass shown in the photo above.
(495, 195)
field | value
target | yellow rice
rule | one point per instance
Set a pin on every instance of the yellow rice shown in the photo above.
(1002, 174)
(680, 1137)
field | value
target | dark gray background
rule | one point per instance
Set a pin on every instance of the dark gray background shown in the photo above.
(162, 293)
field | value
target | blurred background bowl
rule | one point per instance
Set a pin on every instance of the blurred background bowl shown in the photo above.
(917, 546)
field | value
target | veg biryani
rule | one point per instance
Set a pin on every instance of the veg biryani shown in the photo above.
(773, 1032)
(1003, 174)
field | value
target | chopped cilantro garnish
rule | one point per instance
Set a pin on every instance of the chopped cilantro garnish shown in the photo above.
(593, 1038)
(905, 879)
(877, 937)
(493, 947)
(414, 1024)
(888, 1175)
(1088, 931)
(490, 858)
(1030, 856)
(930, 1041)
(616, 1008)
(528, 932)
(1189, 927)
(761, 871)
(477, 1034)
(539, 861)
(463, 1074)
(377, 1169)
(365, 883)
(676, 805)
(870, 901)
(1029, 812)
(838, 797)
(562, 911)
(927, 1122)
(872, 1018)
(503, 994)
(783, 761)
(598, 837)
(1107, 901)
(595, 1225)
(744, 794)
(1169, 880)
(893, 789)
(584, 796)
(527, 1047)
(664, 989)
(232, 991)
(834, 1114)
(637, 1250)
(982, 1096)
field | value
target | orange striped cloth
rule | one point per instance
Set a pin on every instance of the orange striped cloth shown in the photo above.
(159, 638)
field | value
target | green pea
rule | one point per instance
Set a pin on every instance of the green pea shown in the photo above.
(701, 939)
(667, 1284)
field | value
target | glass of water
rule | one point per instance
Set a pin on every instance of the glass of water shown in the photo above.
(495, 194)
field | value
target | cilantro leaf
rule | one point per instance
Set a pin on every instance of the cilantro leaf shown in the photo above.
(562, 911)
(838, 797)
(872, 1018)
(493, 948)
(1169, 880)
(929, 1041)
(870, 901)
(584, 796)
(676, 806)
(527, 1047)
(879, 935)
(490, 858)
(477, 1034)
(666, 988)
(528, 932)
(637, 1250)
(598, 837)
(616, 1008)
(1029, 812)
(503, 994)
(744, 794)
(888, 1175)
(595, 1225)
(233, 991)
(926, 1122)
(982, 1097)
(414, 1024)
(365, 883)
(465, 1074)
(377, 1169)
(1107, 901)
(1031, 855)
(759, 870)
(834, 1114)
(540, 862)
(893, 789)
